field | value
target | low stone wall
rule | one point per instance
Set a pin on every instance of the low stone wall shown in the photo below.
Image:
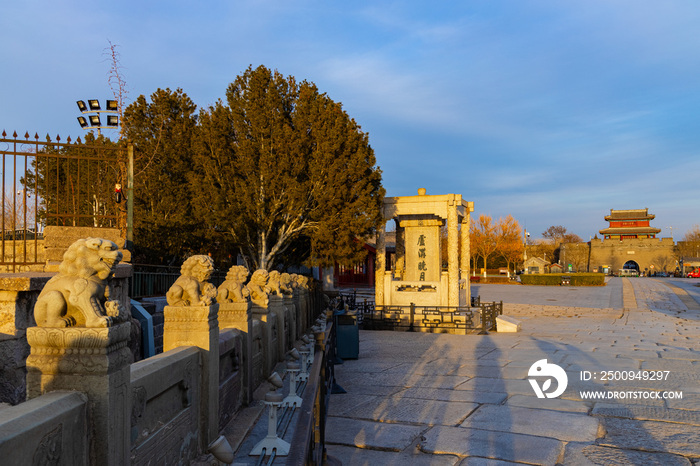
(21, 251)
(50, 429)
(58, 239)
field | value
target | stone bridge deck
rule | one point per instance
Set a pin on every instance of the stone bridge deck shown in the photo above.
(418, 398)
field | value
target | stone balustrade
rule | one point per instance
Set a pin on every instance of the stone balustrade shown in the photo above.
(168, 408)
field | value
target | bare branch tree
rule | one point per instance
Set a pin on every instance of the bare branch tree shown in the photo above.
(116, 80)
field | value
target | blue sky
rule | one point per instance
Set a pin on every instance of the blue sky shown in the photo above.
(552, 111)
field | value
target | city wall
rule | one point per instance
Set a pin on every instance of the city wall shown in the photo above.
(650, 254)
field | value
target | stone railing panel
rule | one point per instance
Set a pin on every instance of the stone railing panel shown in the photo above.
(164, 409)
(50, 429)
(231, 389)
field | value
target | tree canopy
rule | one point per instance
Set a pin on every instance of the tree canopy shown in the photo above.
(163, 131)
(283, 165)
(558, 234)
(502, 238)
(554, 236)
(689, 246)
(278, 171)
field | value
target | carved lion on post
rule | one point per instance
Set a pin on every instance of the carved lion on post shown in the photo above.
(273, 283)
(79, 296)
(286, 284)
(233, 290)
(192, 288)
(258, 288)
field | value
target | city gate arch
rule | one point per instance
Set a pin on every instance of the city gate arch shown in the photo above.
(631, 265)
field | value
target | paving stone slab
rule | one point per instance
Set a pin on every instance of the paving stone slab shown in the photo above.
(413, 410)
(651, 436)
(594, 363)
(489, 371)
(555, 404)
(340, 403)
(577, 454)
(495, 445)
(369, 434)
(506, 372)
(363, 457)
(366, 366)
(479, 363)
(431, 369)
(690, 401)
(674, 365)
(407, 378)
(474, 461)
(542, 345)
(539, 422)
(647, 413)
(357, 386)
(521, 355)
(511, 386)
(455, 395)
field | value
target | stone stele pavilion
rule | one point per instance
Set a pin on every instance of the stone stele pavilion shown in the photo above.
(418, 277)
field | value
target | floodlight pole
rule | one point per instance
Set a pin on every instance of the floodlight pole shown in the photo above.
(93, 111)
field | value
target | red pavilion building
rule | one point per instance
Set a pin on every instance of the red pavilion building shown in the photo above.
(629, 224)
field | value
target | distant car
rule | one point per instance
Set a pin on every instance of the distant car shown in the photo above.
(694, 274)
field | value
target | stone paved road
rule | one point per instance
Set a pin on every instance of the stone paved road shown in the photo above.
(416, 398)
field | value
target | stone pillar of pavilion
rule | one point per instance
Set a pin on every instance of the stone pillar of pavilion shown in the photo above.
(453, 252)
(465, 255)
(380, 267)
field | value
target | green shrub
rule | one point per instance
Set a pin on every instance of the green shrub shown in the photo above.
(551, 279)
(497, 280)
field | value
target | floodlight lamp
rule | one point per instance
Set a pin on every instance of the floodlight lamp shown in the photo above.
(94, 104)
(95, 120)
(112, 105)
(82, 106)
(112, 120)
(83, 122)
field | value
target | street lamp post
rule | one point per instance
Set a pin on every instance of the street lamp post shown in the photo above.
(92, 113)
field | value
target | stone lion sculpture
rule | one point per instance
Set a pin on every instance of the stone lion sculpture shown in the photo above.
(78, 296)
(294, 285)
(233, 290)
(192, 288)
(302, 282)
(286, 284)
(259, 291)
(273, 283)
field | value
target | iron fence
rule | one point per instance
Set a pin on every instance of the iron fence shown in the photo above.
(155, 280)
(479, 318)
(56, 183)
